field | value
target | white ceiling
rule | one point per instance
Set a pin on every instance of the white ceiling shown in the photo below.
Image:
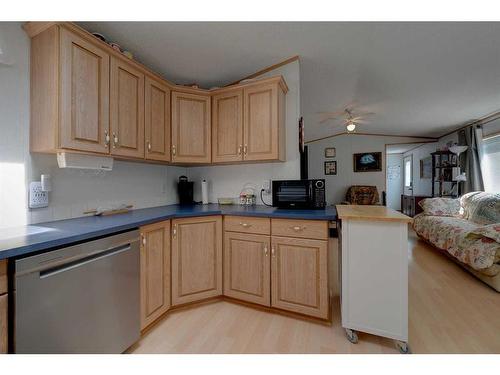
(402, 147)
(421, 79)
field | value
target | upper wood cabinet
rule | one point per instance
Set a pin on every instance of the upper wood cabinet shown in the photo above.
(157, 120)
(248, 122)
(155, 271)
(264, 121)
(247, 267)
(196, 259)
(84, 98)
(191, 135)
(227, 126)
(299, 269)
(126, 109)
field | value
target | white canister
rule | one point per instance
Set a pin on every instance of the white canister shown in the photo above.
(204, 191)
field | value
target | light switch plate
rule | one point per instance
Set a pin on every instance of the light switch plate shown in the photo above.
(37, 197)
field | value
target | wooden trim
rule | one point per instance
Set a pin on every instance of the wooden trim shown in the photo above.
(35, 28)
(432, 139)
(492, 135)
(485, 120)
(265, 70)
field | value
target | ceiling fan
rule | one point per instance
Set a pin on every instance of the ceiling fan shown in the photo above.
(350, 117)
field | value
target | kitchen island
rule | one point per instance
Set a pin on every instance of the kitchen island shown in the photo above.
(373, 250)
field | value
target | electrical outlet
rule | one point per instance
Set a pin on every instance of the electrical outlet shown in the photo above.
(266, 186)
(37, 197)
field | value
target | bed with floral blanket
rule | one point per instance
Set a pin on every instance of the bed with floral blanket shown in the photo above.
(468, 229)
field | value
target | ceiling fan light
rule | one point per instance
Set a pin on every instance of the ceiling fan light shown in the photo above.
(351, 126)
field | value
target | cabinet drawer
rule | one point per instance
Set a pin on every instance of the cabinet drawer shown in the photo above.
(300, 228)
(244, 224)
(3, 276)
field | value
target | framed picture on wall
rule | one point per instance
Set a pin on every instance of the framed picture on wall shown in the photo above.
(367, 162)
(330, 152)
(426, 167)
(330, 168)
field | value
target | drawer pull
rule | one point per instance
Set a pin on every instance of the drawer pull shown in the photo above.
(174, 230)
(273, 252)
(245, 225)
(297, 228)
(106, 138)
(265, 250)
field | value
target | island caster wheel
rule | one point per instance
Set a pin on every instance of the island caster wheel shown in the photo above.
(352, 336)
(403, 347)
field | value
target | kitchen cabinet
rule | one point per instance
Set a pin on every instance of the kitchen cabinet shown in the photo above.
(157, 120)
(227, 126)
(196, 259)
(247, 267)
(155, 271)
(299, 276)
(84, 93)
(248, 122)
(191, 133)
(264, 121)
(126, 109)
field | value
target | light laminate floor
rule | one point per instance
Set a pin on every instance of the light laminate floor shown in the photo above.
(449, 312)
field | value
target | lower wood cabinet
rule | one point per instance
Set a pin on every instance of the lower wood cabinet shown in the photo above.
(155, 271)
(299, 276)
(247, 267)
(196, 259)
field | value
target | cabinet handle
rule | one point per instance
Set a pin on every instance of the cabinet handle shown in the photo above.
(143, 240)
(106, 138)
(273, 251)
(239, 150)
(173, 150)
(115, 140)
(245, 149)
(245, 225)
(174, 230)
(265, 250)
(149, 146)
(297, 228)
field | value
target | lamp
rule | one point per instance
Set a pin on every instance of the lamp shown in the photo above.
(456, 149)
(351, 126)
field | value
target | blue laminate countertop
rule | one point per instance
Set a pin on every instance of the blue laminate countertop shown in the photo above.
(28, 239)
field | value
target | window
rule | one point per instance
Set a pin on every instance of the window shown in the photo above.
(490, 164)
(407, 170)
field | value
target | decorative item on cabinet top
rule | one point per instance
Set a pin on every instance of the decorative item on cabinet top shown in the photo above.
(90, 125)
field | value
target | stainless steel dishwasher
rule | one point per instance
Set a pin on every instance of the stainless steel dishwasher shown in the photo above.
(79, 299)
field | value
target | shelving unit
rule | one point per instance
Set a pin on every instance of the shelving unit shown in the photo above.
(443, 163)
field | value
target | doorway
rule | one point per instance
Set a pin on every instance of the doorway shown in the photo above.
(408, 175)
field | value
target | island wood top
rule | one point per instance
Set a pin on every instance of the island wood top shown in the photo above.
(371, 213)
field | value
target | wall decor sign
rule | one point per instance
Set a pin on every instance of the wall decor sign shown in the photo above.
(426, 167)
(330, 152)
(368, 162)
(330, 167)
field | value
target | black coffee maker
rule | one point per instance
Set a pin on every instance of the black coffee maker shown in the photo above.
(185, 190)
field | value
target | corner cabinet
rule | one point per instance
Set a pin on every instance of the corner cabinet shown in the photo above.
(249, 122)
(191, 135)
(196, 259)
(155, 271)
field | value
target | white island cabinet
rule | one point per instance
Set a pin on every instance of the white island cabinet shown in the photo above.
(373, 246)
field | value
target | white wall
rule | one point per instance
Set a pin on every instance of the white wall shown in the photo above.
(346, 145)
(140, 184)
(394, 182)
(228, 180)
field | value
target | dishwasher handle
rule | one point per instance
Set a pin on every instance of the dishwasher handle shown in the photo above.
(83, 261)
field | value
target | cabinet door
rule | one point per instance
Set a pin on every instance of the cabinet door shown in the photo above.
(126, 109)
(3, 324)
(84, 97)
(247, 267)
(157, 120)
(196, 259)
(191, 135)
(261, 123)
(227, 126)
(155, 271)
(300, 276)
